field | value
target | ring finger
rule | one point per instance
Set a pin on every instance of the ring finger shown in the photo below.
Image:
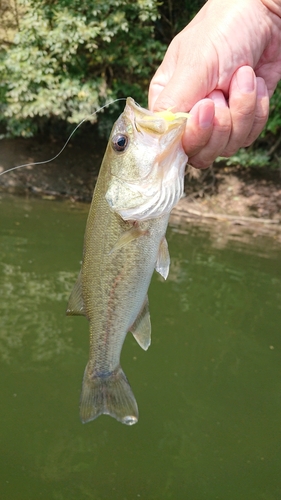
(220, 135)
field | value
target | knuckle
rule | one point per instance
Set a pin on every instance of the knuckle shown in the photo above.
(229, 151)
(198, 162)
(193, 145)
(248, 143)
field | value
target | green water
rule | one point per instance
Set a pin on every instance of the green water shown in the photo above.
(208, 389)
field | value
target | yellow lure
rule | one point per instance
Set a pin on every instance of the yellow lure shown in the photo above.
(169, 116)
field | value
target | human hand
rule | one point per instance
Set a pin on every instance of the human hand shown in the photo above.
(222, 68)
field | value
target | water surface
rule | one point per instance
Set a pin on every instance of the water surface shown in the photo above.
(208, 389)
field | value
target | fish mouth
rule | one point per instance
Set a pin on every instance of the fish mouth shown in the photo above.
(148, 121)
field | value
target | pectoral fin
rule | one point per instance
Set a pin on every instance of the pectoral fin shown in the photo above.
(128, 236)
(141, 328)
(75, 306)
(163, 259)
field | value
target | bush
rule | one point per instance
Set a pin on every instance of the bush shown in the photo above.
(70, 57)
(61, 60)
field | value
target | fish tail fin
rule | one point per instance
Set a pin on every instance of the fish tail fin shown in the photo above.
(108, 394)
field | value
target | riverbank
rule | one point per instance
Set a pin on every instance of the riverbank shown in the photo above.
(238, 196)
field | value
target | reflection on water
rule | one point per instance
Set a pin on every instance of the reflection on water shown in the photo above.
(208, 389)
(26, 309)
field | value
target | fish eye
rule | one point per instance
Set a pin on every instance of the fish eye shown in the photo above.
(120, 142)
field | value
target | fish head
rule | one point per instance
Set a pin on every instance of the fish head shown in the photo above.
(146, 162)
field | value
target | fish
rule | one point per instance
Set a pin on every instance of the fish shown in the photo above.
(140, 180)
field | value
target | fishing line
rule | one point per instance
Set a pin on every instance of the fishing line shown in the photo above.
(63, 148)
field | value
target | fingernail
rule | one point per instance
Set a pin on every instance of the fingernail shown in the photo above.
(245, 79)
(206, 116)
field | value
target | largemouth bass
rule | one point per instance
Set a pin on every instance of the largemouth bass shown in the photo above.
(140, 181)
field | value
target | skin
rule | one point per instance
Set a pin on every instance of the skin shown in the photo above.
(222, 68)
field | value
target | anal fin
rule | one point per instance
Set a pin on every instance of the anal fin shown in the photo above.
(141, 329)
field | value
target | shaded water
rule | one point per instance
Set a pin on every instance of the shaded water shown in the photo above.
(208, 389)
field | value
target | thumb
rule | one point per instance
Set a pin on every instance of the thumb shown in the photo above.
(184, 77)
(182, 91)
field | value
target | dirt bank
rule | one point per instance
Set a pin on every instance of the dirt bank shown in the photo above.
(71, 175)
(238, 196)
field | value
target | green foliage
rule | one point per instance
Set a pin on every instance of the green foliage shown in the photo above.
(174, 16)
(61, 60)
(70, 57)
(249, 158)
(274, 123)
